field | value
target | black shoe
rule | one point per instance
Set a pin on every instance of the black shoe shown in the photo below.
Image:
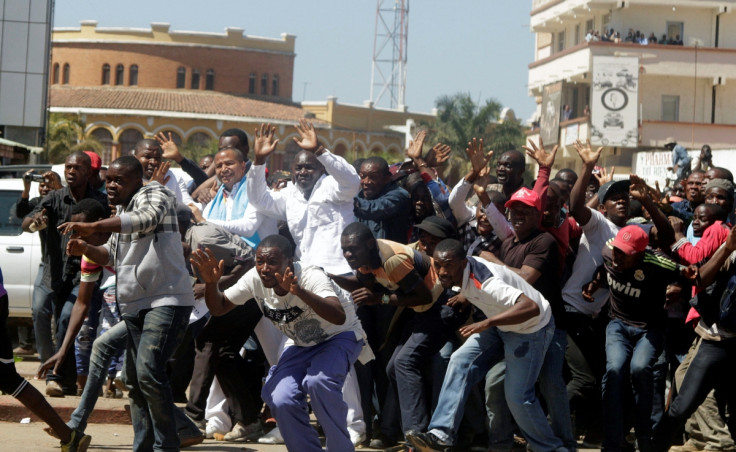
(381, 441)
(426, 442)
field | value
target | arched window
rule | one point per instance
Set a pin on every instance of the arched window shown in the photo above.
(105, 74)
(181, 75)
(56, 74)
(175, 137)
(65, 75)
(209, 82)
(105, 138)
(275, 85)
(252, 83)
(195, 79)
(264, 84)
(128, 139)
(119, 74)
(133, 75)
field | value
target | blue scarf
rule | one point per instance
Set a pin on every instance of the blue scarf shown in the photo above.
(217, 210)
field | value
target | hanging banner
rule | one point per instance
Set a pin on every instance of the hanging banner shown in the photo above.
(550, 124)
(614, 99)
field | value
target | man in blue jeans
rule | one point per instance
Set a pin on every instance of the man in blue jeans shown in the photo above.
(154, 304)
(637, 280)
(518, 328)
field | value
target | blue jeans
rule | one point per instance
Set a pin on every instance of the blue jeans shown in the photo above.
(630, 356)
(524, 354)
(153, 335)
(104, 349)
(87, 334)
(42, 311)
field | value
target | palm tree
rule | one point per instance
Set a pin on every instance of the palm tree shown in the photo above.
(66, 135)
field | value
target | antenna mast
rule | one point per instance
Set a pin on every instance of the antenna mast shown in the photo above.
(388, 73)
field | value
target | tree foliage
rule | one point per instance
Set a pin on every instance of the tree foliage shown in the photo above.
(460, 119)
(66, 135)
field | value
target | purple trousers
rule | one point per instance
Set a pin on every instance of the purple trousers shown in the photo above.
(319, 371)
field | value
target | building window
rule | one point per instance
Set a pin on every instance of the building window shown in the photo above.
(590, 25)
(119, 74)
(670, 108)
(561, 41)
(577, 34)
(209, 81)
(181, 75)
(105, 74)
(675, 32)
(128, 139)
(275, 85)
(252, 83)
(56, 74)
(606, 22)
(133, 75)
(264, 87)
(65, 75)
(195, 79)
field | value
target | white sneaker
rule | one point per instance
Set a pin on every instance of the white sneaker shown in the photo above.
(210, 431)
(272, 437)
(356, 437)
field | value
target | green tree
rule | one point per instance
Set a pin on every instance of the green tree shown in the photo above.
(66, 135)
(460, 119)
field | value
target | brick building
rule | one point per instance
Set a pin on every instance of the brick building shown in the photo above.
(133, 83)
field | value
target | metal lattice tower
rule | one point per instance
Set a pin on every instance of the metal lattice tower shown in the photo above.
(388, 73)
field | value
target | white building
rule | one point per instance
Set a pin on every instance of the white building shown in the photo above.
(684, 91)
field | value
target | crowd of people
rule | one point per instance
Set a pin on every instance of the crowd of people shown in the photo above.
(392, 304)
(634, 37)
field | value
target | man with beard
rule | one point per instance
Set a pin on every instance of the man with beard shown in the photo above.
(316, 208)
(62, 270)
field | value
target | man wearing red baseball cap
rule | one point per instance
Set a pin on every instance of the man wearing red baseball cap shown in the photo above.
(94, 177)
(533, 254)
(636, 277)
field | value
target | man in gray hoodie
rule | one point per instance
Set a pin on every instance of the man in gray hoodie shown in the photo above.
(154, 292)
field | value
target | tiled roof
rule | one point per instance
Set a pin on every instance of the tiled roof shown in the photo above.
(170, 100)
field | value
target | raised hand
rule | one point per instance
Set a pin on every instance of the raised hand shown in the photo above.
(438, 155)
(288, 281)
(544, 158)
(365, 296)
(307, 136)
(415, 147)
(638, 188)
(52, 180)
(169, 148)
(587, 154)
(210, 271)
(265, 142)
(159, 174)
(604, 177)
(478, 159)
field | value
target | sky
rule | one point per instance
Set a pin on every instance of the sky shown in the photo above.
(481, 47)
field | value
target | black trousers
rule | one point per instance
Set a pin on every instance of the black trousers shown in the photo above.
(10, 381)
(711, 368)
(217, 354)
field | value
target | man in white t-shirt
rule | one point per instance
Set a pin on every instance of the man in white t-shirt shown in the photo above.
(585, 353)
(303, 303)
(518, 328)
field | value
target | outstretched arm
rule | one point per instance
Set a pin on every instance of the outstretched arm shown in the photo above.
(210, 272)
(579, 210)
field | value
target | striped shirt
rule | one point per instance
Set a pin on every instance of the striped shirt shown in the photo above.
(402, 268)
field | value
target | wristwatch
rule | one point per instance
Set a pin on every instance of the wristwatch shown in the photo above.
(386, 299)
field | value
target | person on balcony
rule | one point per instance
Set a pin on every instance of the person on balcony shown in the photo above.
(680, 159)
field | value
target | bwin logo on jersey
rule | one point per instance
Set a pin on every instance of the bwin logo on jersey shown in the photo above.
(621, 287)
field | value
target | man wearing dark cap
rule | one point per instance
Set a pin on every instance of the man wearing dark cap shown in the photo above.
(391, 273)
(533, 254)
(636, 278)
(432, 230)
